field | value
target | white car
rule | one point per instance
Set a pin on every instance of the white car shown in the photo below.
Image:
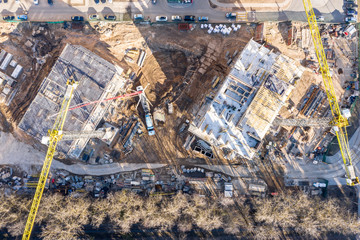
(161, 18)
(175, 18)
(350, 19)
(320, 19)
(94, 17)
(36, 2)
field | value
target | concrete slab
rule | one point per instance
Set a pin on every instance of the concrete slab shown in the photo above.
(94, 75)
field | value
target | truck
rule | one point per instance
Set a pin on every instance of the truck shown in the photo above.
(146, 107)
(351, 177)
(149, 124)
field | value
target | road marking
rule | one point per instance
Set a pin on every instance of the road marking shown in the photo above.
(241, 17)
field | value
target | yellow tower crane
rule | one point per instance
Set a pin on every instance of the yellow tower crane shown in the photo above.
(55, 135)
(339, 121)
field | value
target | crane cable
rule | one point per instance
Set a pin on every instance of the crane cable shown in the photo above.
(104, 100)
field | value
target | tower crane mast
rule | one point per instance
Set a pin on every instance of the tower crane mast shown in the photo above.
(54, 137)
(56, 134)
(339, 121)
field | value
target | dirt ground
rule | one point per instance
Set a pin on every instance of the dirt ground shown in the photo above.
(173, 58)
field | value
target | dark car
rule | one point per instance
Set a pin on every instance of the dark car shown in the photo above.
(77, 18)
(50, 2)
(97, 1)
(110, 17)
(350, 5)
(22, 17)
(351, 12)
(8, 18)
(189, 18)
(230, 15)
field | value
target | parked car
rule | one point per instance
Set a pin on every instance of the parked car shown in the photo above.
(320, 18)
(138, 17)
(176, 18)
(161, 18)
(77, 18)
(351, 12)
(189, 18)
(110, 17)
(203, 19)
(153, 1)
(230, 15)
(350, 5)
(94, 17)
(8, 18)
(22, 17)
(110, 1)
(350, 19)
(97, 1)
(50, 2)
(36, 2)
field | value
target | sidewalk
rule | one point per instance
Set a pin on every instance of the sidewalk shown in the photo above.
(105, 169)
(270, 7)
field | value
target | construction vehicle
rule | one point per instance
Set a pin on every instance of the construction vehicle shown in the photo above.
(146, 107)
(339, 121)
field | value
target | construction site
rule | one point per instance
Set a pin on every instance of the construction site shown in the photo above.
(158, 110)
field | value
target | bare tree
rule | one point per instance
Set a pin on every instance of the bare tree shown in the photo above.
(50, 203)
(13, 213)
(280, 211)
(204, 214)
(265, 232)
(99, 210)
(68, 221)
(125, 210)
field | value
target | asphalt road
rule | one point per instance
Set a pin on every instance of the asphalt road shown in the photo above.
(330, 9)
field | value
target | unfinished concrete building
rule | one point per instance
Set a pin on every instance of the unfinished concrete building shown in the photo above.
(248, 101)
(98, 79)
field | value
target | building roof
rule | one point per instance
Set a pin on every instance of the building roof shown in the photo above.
(248, 101)
(94, 75)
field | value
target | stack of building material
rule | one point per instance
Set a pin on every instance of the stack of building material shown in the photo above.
(6, 61)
